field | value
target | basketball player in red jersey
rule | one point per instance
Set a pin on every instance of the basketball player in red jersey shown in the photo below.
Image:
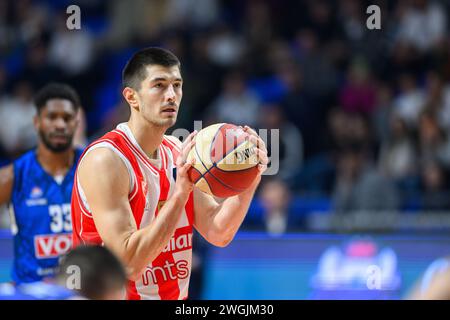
(126, 197)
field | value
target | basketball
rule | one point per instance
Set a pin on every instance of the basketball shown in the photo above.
(226, 162)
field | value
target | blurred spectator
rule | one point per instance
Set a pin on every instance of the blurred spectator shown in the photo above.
(410, 100)
(5, 30)
(70, 50)
(3, 78)
(318, 74)
(438, 98)
(337, 126)
(258, 26)
(423, 24)
(342, 130)
(225, 48)
(433, 140)
(372, 45)
(202, 78)
(258, 29)
(31, 19)
(435, 187)
(352, 20)
(381, 118)
(321, 19)
(17, 133)
(359, 186)
(290, 144)
(398, 155)
(299, 107)
(275, 198)
(138, 21)
(191, 13)
(358, 94)
(348, 129)
(235, 104)
(37, 69)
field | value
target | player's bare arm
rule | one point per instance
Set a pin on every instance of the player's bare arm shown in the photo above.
(6, 183)
(218, 223)
(105, 180)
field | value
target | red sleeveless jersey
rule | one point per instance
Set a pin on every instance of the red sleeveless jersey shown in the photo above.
(166, 277)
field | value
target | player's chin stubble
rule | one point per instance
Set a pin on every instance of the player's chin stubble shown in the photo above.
(163, 122)
(52, 147)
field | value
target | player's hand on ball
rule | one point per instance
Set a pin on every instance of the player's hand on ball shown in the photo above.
(261, 149)
(183, 183)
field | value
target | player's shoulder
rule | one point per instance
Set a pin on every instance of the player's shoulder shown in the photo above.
(27, 157)
(102, 170)
(172, 139)
(25, 165)
(172, 142)
(101, 158)
(101, 148)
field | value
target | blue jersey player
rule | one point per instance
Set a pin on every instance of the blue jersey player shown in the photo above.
(38, 187)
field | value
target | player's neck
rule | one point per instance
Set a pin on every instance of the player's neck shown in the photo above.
(148, 136)
(55, 163)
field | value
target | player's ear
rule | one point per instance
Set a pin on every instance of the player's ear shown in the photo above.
(78, 118)
(131, 97)
(36, 121)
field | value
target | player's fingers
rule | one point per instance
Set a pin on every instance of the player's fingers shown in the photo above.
(254, 139)
(250, 131)
(181, 159)
(183, 167)
(188, 147)
(258, 142)
(185, 152)
(262, 168)
(262, 156)
(189, 139)
(187, 165)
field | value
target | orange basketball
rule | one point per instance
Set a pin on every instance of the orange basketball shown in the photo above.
(225, 160)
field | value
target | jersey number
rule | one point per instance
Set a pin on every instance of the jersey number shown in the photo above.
(61, 218)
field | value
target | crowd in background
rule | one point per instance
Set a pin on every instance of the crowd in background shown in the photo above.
(364, 115)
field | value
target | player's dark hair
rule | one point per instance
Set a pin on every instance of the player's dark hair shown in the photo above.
(56, 90)
(135, 69)
(100, 270)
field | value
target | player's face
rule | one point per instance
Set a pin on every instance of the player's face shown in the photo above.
(160, 95)
(56, 124)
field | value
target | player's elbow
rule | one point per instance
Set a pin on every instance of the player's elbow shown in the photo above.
(223, 243)
(221, 240)
(134, 266)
